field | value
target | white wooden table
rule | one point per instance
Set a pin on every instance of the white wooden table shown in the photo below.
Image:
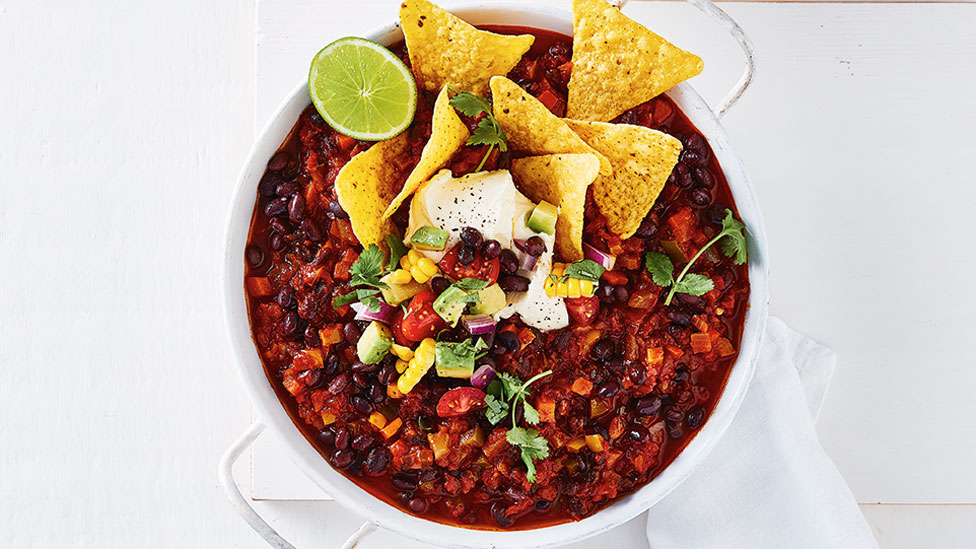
(125, 125)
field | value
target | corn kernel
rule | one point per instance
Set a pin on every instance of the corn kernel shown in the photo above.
(405, 263)
(401, 366)
(573, 287)
(427, 266)
(418, 274)
(405, 385)
(586, 288)
(414, 256)
(400, 276)
(562, 289)
(378, 420)
(404, 353)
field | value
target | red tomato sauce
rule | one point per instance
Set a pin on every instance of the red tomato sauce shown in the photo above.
(633, 380)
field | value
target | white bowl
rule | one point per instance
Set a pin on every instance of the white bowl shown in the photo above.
(357, 500)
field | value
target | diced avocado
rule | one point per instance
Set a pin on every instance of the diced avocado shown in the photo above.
(450, 304)
(429, 238)
(396, 294)
(490, 301)
(674, 251)
(374, 344)
(457, 359)
(543, 218)
(454, 370)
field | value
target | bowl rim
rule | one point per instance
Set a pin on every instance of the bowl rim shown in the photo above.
(288, 436)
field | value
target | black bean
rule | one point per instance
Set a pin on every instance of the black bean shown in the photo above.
(638, 432)
(362, 442)
(621, 294)
(342, 438)
(287, 189)
(608, 389)
(277, 242)
(351, 333)
(363, 368)
(491, 249)
(327, 436)
(695, 417)
(336, 210)
(361, 381)
(715, 214)
(678, 318)
(486, 361)
(561, 341)
(695, 142)
(403, 481)
(683, 176)
(417, 505)
(513, 283)
(279, 161)
(605, 293)
(704, 177)
(430, 474)
(311, 336)
(312, 378)
(471, 236)
(438, 284)
(603, 349)
(296, 207)
(693, 158)
(361, 405)
(465, 254)
(269, 182)
(339, 383)
(377, 461)
(509, 263)
(342, 459)
(254, 255)
(284, 296)
(681, 375)
(647, 229)
(276, 207)
(331, 365)
(693, 302)
(674, 430)
(674, 414)
(508, 341)
(649, 405)
(638, 375)
(701, 197)
(311, 231)
(498, 513)
(559, 49)
(535, 246)
(387, 375)
(543, 505)
(377, 393)
(280, 225)
(617, 364)
(289, 324)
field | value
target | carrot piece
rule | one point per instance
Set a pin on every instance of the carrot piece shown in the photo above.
(393, 391)
(439, 443)
(676, 352)
(547, 409)
(655, 356)
(615, 278)
(582, 386)
(701, 343)
(328, 417)
(391, 428)
(699, 322)
(378, 420)
(576, 444)
(724, 347)
(258, 286)
(330, 334)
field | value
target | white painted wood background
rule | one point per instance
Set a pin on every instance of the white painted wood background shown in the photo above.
(124, 126)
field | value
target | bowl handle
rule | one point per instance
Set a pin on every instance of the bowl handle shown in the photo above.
(244, 508)
(710, 9)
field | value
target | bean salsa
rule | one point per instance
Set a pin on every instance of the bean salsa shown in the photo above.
(632, 379)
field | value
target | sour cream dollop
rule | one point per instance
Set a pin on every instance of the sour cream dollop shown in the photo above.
(489, 202)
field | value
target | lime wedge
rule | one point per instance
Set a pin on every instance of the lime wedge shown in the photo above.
(362, 89)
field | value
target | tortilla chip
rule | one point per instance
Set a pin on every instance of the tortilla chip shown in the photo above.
(531, 128)
(560, 179)
(642, 160)
(619, 64)
(366, 185)
(447, 135)
(444, 50)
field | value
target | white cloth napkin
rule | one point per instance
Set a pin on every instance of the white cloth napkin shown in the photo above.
(768, 482)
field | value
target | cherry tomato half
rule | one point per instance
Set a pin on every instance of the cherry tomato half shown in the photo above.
(479, 268)
(420, 320)
(582, 310)
(460, 401)
(397, 328)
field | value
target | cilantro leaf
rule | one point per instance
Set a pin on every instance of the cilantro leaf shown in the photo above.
(694, 284)
(488, 132)
(585, 269)
(532, 445)
(368, 268)
(372, 302)
(397, 251)
(471, 284)
(496, 409)
(468, 103)
(734, 245)
(510, 384)
(530, 413)
(458, 355)
(660, 267)
(360, 294)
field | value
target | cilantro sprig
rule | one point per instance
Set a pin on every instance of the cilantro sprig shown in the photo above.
(662, 269)
(489, 131)
(366, 272)
(504, 396)
(584, 269)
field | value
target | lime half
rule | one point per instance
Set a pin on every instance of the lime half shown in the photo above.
(362, 89)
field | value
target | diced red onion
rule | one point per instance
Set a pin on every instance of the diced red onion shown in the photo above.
(603, 258)
(384, 315)
(479, 324)
(520, 244)
(481, 377)
(528, 262)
